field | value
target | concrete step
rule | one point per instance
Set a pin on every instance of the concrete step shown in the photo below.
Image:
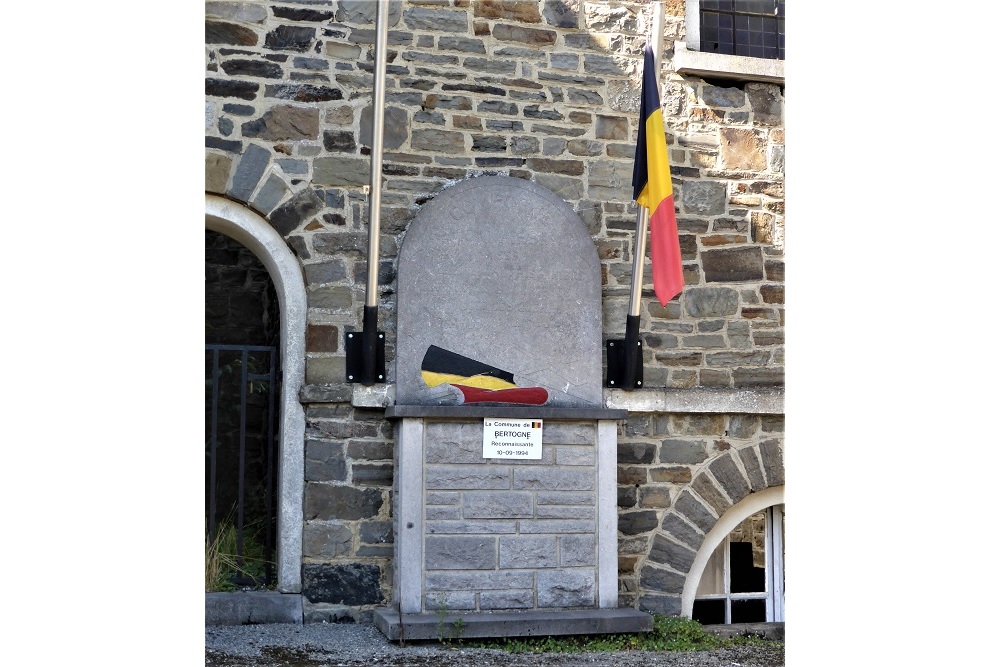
(510, 624)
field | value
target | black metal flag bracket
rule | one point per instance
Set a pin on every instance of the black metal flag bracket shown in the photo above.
(366, 351)
(625, 358)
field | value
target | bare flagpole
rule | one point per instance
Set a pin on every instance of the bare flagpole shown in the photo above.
(629, 374)
(366, 354)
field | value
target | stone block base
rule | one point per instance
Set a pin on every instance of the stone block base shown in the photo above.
(413, 627)
(252, 608)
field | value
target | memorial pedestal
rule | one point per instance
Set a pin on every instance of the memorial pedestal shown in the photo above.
(504, 546)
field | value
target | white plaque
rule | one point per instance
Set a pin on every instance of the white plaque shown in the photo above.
(512, 438)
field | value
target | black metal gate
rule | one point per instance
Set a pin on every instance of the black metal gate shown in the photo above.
(241, 390)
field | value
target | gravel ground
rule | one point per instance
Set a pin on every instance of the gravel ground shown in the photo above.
(357, 644)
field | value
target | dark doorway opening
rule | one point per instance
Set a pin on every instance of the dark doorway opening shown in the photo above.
(242, 378)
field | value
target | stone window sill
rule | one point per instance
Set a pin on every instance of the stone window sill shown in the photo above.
(721, 66)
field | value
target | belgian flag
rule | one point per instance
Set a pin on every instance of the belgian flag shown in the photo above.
(652, 189)
(477, 382)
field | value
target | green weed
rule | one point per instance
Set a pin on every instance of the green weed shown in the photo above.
(668, 634)
(223, 567)
(447, 632)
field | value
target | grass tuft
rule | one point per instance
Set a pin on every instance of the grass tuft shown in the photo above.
(669, 634)
(222, 567)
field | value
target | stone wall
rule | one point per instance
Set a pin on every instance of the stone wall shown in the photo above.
(347, 536)
(678, 473)
(241, 307)
(546, 91)
(510, 534)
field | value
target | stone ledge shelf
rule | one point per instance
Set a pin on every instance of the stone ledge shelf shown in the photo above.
(754, 401)
(617, 403)
(505, 411)
(358, 395)
(413, 627)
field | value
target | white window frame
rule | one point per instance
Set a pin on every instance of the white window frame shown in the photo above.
(773, 593)
(776, 601)
(689, 59)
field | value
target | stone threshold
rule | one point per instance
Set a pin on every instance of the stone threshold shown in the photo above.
(252, 608)
(430, 625)
(773, 630)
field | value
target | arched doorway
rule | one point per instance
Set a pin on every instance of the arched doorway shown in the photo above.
(242, 383)
(254, 233)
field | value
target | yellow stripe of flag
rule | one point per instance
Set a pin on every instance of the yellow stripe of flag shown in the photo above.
(658, 186)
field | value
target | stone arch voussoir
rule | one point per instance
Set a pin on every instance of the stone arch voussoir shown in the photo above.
(251, 179)
(688, 532)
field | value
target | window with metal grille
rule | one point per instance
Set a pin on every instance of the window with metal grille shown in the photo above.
(754, 28)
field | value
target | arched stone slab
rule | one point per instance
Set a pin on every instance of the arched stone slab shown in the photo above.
(501, 271)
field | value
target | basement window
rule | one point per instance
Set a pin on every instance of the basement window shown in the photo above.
(744, 580)
(733, 39)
